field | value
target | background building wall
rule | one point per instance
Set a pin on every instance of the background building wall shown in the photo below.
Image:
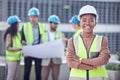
(108, 10)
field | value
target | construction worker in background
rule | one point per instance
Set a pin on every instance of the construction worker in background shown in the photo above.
(51, 63)
(87, 53)
(76, 24)
(13, 46)
(31, 35)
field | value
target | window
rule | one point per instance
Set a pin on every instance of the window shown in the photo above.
(65, 9)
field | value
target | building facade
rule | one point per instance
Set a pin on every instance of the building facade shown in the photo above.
(108, 10)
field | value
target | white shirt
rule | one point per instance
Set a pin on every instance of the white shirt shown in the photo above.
(51, 36)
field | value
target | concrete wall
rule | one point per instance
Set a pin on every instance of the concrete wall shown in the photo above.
(2, 73)
(2, 48)
(64, 73)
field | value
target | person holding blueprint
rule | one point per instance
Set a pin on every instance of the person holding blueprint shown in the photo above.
(31, 35)
(51, 63)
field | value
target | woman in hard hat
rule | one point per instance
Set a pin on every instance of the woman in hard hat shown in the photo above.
(76, 24)
(13, 46)
(87, 53)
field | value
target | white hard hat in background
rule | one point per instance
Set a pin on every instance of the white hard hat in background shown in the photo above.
(88, 9)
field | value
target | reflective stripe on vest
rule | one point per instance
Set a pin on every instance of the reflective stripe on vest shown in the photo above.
(28, 31)
(95, 48)
(45, 36)
(16, 43)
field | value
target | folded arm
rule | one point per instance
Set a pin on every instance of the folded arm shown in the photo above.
(73, 60)
(103, 57)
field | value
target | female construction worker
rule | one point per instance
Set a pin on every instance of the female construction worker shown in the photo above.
(76, 24)
(13, 46)
(88, 53)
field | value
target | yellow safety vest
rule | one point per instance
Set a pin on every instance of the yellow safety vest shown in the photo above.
(28, 31)
(77, 33)
(45, 36)
(16, 43)
(80, 49)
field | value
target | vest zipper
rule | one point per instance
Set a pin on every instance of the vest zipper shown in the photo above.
(87, 71)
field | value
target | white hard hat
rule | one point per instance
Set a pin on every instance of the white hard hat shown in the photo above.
(88, 9)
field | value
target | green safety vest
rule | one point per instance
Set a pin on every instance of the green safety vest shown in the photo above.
(16, 43)
(77, 33)
(80, 49)
(45, 36)
(28, 31)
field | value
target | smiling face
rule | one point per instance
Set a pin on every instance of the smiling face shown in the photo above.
(88, 23)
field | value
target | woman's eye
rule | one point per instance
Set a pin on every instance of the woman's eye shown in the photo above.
(92, 20)
(84, 20)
